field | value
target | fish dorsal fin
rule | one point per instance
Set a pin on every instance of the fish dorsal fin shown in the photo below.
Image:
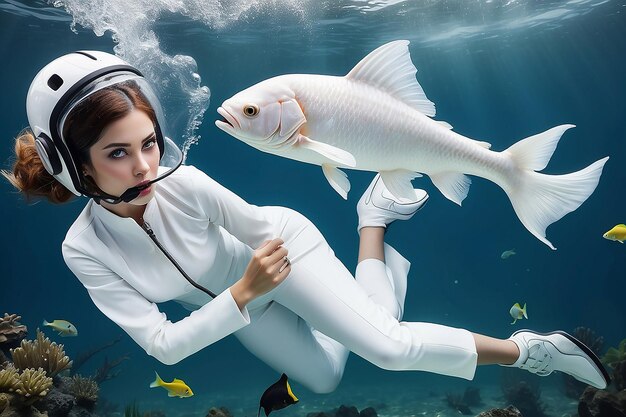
(389, 68)
(622, 224)
(177, 380)
(482, 144)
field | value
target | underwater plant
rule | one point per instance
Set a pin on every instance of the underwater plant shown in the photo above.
(41, 353)
(83, 357)
(613, 356)
(85, 390)
(132, 411)
(106, 370)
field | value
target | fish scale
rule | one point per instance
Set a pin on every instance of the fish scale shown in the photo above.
(375, 124)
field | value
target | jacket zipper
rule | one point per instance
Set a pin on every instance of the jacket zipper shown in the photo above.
(146, 227)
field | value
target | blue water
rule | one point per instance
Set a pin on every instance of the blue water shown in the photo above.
(497, 71)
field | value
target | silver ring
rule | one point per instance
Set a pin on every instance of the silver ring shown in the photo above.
(286, 262)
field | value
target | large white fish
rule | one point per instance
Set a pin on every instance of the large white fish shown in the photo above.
(377, 118)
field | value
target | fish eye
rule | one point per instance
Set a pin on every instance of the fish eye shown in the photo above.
(250, 110)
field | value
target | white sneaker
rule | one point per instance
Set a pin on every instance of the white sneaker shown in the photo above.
(543, 353)
(377, 207)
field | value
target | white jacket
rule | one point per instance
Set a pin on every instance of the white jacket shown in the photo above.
(206, 228)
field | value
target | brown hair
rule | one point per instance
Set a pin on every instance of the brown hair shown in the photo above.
(82, 129)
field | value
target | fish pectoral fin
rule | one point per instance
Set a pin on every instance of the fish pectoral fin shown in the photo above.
(291, 117)
(336, 155)
(453, 185)
(389, 68)
(337, 179)
(398, 182)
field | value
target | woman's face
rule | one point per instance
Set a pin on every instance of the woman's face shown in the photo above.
(125, 156)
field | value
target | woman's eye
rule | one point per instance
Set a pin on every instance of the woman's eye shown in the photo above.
(149, 144)
(118, 153)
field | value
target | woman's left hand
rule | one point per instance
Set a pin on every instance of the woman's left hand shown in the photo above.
(268, 267)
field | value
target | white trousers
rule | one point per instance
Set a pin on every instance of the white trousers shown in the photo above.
(307, 326)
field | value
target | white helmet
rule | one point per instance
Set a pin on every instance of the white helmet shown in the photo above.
(66, 82)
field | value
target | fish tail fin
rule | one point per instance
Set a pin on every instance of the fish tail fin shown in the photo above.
(45, 323)
(541, 199)
(524, 311)
(157, 381)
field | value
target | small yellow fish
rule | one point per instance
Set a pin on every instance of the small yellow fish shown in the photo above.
(616, 233)
(507, 253)
(518, 312)
(64, 327)
(176, 388)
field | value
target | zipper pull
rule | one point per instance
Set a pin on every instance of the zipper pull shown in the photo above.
(145, 226)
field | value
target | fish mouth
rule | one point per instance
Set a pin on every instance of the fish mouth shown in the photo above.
(228, 123)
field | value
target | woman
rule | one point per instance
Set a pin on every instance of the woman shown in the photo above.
(272, 279)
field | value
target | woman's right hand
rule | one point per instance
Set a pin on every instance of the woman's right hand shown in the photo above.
(265, 271)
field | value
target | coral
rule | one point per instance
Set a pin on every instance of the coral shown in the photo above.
(368, 412)
(510, 411)
(613, 356)
(526, 399)
(11, 331)
(619, 375)
(456, 402)
(29, 383)
(589, 338)
(57, 403)
(9, 379)
(601, 403)
(34, 383)
(219, 412)
(84, 389)
(4, 402)
(347, 411)
(41, 353)
(342, 411)
(18, 407)
(3, 360)
(521, 389)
